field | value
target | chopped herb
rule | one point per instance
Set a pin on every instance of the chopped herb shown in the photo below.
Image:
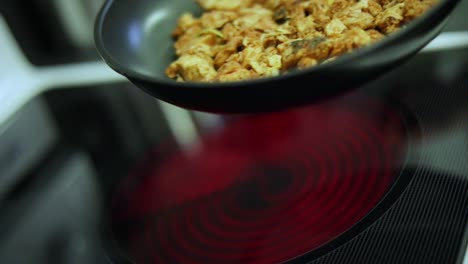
(280, 15)
(211, 31)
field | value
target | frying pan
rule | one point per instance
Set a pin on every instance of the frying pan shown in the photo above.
(134, 38)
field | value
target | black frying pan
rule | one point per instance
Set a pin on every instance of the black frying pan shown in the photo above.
(134, 38)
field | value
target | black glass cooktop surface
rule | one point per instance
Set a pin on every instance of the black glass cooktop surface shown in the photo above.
(267, 188)
(301, 185)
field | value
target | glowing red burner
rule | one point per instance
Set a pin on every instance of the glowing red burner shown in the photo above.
(267, 188)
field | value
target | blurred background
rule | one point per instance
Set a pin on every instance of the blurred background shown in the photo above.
(64, 147)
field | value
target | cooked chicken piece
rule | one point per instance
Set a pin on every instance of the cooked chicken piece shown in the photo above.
(355, 16)
(192, 67)
(217, 19)
(415, 8)
(335, 28)
(184, 23)
(390, 19)
(352, 39)
(292, 52)
(373, 8)
(233, 71)
(225, 51)
(306, 62)
(375, 34)
(224, 4)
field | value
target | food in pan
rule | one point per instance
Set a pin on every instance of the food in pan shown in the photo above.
(245, 39)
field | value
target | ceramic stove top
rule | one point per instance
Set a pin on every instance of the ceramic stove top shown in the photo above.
(294, 186)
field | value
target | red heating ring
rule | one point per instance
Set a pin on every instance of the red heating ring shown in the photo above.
(266, 189)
